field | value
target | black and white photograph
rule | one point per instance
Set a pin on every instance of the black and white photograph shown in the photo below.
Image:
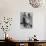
(26, 19)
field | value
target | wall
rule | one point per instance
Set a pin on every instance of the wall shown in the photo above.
(12, 8)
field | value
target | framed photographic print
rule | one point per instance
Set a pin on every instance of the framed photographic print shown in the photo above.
(26, 19)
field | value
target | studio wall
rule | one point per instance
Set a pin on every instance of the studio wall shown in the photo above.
(12, 8)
